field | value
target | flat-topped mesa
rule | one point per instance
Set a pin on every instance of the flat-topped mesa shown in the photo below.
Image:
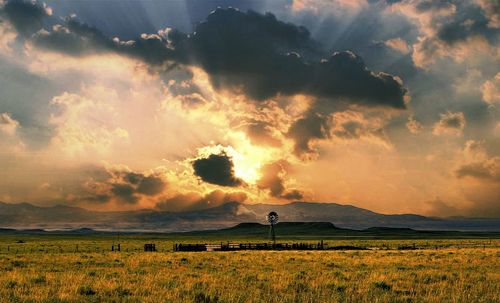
(282, 225)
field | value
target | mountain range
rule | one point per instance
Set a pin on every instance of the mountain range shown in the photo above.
(28, 216)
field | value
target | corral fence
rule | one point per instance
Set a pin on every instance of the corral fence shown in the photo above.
(249, 246)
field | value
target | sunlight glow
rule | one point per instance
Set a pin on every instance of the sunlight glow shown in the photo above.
(247, 158)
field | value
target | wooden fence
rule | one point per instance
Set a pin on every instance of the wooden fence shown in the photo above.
(249, 246)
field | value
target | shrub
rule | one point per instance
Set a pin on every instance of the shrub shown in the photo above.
(382, 285)
(86, 290)
(10, 284)
(38, 280)
(340, 288)
(201, 297)
(122, 292)
(17, 263)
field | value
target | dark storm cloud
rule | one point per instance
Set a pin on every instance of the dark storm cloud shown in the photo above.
(216, 169)
(124, 192)
(152, 49)
(273, 175)
(491, 10)
(424, 6)
(450, 122)
(260, 132)
(293, 195)
(466, 22)
(124, 186)
(26, 16)
(325, 123)
(358, 29)
(447, 24)
(195, 201)
(349, 130)
(488, 170)
(312, 127)
(249, 52)
(264, 57)
(78, 39)
(151, 186)
(271, 179)
(73, 38)
(147, 185)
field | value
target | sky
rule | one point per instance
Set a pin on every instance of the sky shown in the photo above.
(180, 105)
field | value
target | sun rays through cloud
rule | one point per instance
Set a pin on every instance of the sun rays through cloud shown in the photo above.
(182, 105)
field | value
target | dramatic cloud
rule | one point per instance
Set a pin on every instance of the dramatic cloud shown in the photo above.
(414, 126)
(84, 124)
(249, 52)
(74, 39)
(474, 151)
(341, 125)
(26, 16)
(491, 90)
(146, 185)
(216, 169)
(265, 57)
(479, 178)
(455, 29)
(237, 91)
(273, 179)
(350, 125)
(261, 133)
(450, 123)
(398, 44)
(77, 39)
(477, 164)
(122, 186)
(303, 131)
(487, 170)
(491, 9)
(195, 201)
(12, 143)
(7, 124)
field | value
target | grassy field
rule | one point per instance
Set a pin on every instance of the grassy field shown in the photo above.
(83, 269)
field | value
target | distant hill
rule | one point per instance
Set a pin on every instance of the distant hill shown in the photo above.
(284, 230)
(28, 216)
(317, 230)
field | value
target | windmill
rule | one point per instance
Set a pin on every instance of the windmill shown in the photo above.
(272, 218)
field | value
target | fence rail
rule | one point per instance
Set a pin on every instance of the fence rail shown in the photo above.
(249, 246)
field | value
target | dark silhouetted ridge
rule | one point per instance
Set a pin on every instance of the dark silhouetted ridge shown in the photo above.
(389, 229)
(246, 225)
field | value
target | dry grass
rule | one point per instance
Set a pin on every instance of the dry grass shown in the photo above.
(470, 273)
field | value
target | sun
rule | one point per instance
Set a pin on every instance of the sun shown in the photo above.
(245, 167)
(247, 158)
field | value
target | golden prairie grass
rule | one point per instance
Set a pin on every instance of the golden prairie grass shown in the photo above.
(466, 273)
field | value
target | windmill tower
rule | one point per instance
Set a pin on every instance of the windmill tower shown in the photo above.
(272, 218)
